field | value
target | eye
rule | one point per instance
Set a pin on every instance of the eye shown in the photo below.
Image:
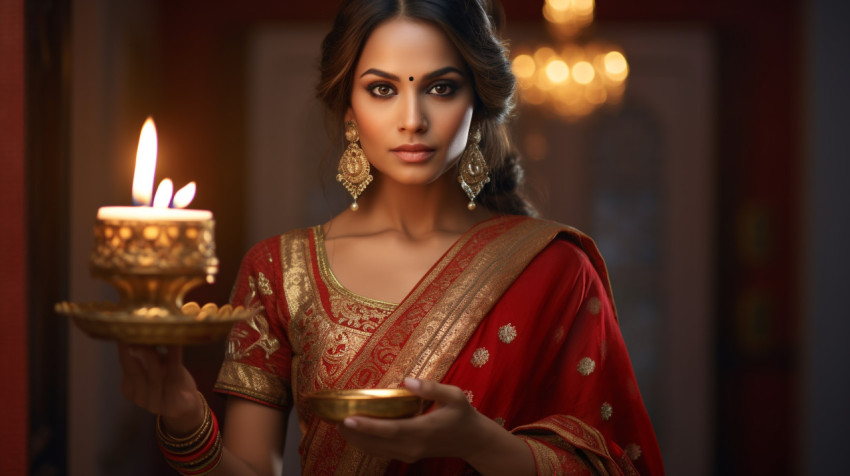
(381, 90)
(443, 89)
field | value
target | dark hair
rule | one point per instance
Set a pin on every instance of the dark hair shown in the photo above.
(471, 25)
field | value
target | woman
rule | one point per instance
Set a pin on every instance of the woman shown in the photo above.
(505, 322)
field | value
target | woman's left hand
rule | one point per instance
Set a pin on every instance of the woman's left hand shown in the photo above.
(452, 429)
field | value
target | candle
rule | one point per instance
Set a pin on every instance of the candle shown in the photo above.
(152, 214)
(143, 179)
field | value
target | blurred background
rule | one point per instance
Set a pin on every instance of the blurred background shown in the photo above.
(713, 179)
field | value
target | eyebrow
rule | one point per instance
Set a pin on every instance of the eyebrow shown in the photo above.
(431, 75)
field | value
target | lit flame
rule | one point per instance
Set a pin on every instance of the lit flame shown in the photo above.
(184, 196)
(162, 199)
(143, 177)
(145, 164)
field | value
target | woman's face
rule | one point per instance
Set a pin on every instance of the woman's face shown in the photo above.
(412, 101)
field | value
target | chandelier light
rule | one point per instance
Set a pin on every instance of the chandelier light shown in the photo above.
(572, 77)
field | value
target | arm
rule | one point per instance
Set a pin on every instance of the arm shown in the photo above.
(254, 440)
(159, 383)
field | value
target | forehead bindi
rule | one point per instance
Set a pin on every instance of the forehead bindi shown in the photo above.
(408, 49)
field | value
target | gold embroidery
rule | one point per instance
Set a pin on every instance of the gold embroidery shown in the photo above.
(424, 334)
(356, 315)
(265, 340)
(325, 338)
(606, 411)
(244, 379)
(586, 366)
(507, 333)
(469, 396)
(545, 458)
(633, 451)
(594, 305)
(294, 257)
(459, 291)
(571, 431)
(500, 421)
(338, 335)
(263, 283)
(252, 285)
(480, 357)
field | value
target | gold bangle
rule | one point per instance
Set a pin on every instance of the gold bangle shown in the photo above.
(192, 445)
(186, 444)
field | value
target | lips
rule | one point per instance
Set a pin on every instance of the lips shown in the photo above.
(413, 153)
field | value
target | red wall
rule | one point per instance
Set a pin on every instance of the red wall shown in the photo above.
(13, 243)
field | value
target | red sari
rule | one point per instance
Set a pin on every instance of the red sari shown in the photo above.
(518, 313)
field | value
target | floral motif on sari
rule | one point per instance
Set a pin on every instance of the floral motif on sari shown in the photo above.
(473, 299)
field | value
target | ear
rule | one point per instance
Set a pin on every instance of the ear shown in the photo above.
(349, 115)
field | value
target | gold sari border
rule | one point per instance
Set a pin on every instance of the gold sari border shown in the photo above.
(445, 308)
(490, 271)
(240, 379)
(545, 458)
(568, 432)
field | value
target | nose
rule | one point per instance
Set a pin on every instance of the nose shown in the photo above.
(413, 117)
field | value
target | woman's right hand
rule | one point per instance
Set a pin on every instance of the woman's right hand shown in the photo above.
(155, 379)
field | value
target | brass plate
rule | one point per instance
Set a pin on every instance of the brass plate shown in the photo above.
(154, 326)
(334, 406)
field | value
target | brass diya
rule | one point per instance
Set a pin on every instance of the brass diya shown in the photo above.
(333, 406)
(153, 264)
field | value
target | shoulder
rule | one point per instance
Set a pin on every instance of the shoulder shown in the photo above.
(570, 250)
(567, 242)
(268, 251)
(564, 261)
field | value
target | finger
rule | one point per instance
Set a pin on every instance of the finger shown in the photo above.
(132, 372)
(180, 389)
(440, 393)
(149, 361)
(155, 380)
(403, 449)
(380, 428)
(135, 375)
(172, 361)
(173, 356)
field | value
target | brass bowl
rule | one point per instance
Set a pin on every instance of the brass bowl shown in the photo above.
(333, 406)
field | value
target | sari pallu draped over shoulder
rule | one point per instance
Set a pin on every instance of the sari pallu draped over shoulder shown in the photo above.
(518, 313)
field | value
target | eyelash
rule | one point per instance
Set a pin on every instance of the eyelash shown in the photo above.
(452, 88)
(373, 89)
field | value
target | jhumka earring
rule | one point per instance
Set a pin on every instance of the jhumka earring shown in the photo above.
(353, 170)
(474, 173)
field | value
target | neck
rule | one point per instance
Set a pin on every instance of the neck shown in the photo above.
(417, 211)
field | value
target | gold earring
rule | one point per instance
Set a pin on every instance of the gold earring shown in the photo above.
(474, 173)
(353, 170)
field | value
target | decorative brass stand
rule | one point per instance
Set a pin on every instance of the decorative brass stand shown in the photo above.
(153, 264)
